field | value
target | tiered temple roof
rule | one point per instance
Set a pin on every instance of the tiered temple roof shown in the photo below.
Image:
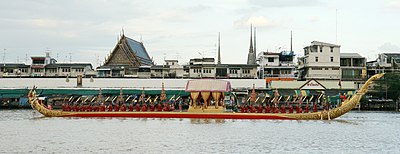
(129, 52)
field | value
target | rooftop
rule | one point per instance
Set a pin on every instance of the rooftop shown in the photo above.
(350, 55)
(324, 44)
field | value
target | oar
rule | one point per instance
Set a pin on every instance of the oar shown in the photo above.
(107, 99)
(155, 99)
(128, 98)
(147, 100)
(92, 99)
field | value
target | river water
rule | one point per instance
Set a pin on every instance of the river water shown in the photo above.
(27, 131)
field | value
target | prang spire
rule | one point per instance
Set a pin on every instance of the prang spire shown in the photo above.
(219, 48)
(251, 55)
(251, 39)
(255, 49)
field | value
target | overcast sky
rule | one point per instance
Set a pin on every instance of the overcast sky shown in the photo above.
(88, 29)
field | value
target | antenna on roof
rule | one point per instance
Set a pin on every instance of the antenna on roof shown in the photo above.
(141, 38)
(123, 33)
(291, 43)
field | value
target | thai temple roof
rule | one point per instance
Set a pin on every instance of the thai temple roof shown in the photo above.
(140, 51)
(128, 52)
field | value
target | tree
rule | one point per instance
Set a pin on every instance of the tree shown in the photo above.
(388, 87)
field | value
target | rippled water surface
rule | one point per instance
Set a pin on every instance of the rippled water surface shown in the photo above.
(24, 131)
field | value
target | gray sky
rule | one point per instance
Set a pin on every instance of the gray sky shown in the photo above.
(186, 29)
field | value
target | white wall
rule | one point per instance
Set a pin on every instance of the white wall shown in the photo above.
(51, 83)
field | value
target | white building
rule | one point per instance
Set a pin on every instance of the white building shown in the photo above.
(275, 66)
(321, 61)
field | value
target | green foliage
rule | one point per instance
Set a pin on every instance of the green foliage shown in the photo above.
(390, 85)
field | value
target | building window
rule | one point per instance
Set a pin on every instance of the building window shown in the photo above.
(66, 70)
(316, 59)
(335, 68)
(331, 49)
(79, 70)
(320, 48)
(37, 70)
(270, 59)
(232, 71)
(331, 59)
(316, 68)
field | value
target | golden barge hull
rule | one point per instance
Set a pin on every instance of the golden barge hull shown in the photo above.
(347, 106)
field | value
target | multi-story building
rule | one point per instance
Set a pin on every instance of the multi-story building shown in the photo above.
(320, 61)
(206, 68)
(353, 67)
(386, 62)
(171, 69)
(48, 67)
(14, 70)
(277, 66)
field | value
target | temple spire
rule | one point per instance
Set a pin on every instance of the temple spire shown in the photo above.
(219, 48)
(251, 55)
(251, 39)
(255, 49)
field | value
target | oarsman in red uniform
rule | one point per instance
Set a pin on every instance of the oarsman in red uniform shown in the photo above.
(172, 107)
(159, 107)
(260, 108)
(273, 109)
(315, 107)
(276, 110)
(67, 107)
(300, 109)
(166, 107)
(290, 108)
(152, 107)
(283, 109)
(95, 107)
(130, 107)
(241, 108)
(252, 108)
(267, 108)
(81, 108)
(116, 107)
(63, 106)
(89, 108)
(110, 107)
(144, 107)
(245, 108)
(102, 107)
(75, 108)
(137, 107)
(306, 109)
(123, 107)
